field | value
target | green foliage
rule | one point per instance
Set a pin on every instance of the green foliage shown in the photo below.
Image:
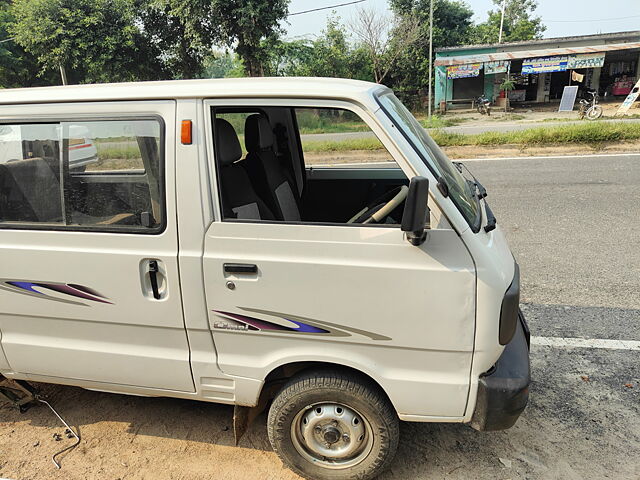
(222, 65)
(452, 22)
(507, 84)
(519, 23)
(177, 55)
(331, 54)
(244, 25)
(95, 40)
(17, 67)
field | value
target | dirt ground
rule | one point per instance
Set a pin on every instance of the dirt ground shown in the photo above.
(533, 113)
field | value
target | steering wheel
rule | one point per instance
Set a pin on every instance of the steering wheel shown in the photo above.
(377, 210)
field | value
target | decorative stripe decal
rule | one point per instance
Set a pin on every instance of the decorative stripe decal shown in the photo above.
(235, 321)
(31, 288)
(258, 324)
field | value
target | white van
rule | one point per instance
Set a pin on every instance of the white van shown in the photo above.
(300, 245)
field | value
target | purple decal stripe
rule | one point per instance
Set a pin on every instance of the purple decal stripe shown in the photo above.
(77, 291)
(265, 325)
(67, 289)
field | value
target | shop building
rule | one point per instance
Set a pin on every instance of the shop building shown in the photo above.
(608, 63)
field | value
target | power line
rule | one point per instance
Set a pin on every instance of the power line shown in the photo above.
(327, 8)
(597, 20)
(7, 39)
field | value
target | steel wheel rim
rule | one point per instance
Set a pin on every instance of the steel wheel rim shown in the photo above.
(332, 435)
(594, 112)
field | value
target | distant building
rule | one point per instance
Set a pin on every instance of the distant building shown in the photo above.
(609, 63)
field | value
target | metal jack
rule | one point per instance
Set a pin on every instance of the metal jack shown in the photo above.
(21, 394)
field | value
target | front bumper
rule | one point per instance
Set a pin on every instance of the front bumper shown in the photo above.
(503, 391)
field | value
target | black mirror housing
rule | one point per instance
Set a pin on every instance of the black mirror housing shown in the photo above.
(415, 219)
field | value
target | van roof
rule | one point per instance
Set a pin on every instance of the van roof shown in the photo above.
(265, 87)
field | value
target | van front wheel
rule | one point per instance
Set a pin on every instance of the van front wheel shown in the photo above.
(333, 426)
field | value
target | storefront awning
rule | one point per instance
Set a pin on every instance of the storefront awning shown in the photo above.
(545, 52)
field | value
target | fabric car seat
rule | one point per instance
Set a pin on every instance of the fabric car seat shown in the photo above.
(271, 179)
(239, 198)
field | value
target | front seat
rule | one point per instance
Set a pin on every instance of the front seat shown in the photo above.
(272, 181)
(239, 199)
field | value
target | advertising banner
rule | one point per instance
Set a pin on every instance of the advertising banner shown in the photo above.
(586, 60)
(464, 71)
(499, 66)
(544, 64)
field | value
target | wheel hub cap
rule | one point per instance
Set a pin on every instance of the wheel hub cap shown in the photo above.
(332, 434)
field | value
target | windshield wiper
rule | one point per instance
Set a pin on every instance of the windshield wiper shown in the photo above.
(479, 189)
(491, 219)
(479, 192)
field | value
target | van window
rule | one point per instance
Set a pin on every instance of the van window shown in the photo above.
(348, 174)
(336, 137)
(97, 175)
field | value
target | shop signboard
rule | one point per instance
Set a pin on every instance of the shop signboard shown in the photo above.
(544, 64)
(464, 71)
(587, 60)
(632, 97)
(499, 66)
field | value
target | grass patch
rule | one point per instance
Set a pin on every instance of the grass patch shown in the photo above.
(588, 133)
(343, 145)
(437, 121)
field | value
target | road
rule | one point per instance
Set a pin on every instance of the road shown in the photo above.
(573, 226)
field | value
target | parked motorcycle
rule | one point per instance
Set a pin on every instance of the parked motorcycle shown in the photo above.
(483, 105)
(590, 108)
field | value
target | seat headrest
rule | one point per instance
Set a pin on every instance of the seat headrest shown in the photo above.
(258, 134)
(228, 145)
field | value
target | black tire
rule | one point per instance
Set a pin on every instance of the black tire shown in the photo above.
(353, 391)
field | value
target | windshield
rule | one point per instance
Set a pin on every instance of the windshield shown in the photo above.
(460, 191)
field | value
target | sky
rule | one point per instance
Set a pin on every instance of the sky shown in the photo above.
(562, 17)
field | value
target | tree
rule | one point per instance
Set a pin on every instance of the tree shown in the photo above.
(17, 67)
(244, 25)
(95, 40)
(452, 25)
(373, 32)
(519, 23)
(222, 65)
(165, 34)
(331, 54)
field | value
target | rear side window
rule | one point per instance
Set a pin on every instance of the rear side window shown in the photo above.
(84, 175)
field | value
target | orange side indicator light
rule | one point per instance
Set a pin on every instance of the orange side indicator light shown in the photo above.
(185, 134)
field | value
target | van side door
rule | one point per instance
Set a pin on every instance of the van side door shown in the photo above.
(90, 293)
(291, 282)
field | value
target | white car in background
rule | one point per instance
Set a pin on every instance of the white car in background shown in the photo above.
(14, 144)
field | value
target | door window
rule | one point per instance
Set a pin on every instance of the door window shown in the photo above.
(98, 175)
(260, 151)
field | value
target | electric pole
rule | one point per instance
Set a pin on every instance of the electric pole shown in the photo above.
(504, 3)
(430, 54)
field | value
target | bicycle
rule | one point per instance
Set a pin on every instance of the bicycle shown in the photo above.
(590, 108)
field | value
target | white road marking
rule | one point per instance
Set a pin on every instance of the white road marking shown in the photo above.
(549, 157)
(607, 344)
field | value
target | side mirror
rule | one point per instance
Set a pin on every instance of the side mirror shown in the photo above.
(415, 219)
